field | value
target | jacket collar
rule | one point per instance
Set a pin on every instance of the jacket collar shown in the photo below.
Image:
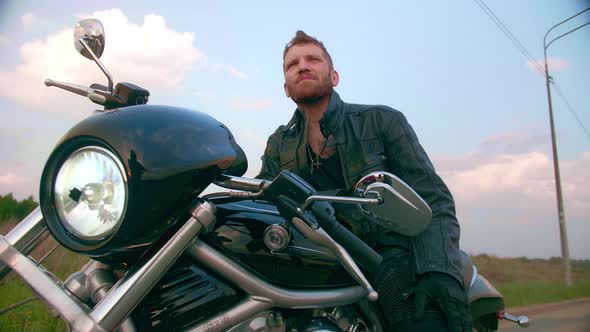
(330, 121)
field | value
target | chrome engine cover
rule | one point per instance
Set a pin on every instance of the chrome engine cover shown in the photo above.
(338, 319)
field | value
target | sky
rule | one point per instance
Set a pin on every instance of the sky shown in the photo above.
(478, 105)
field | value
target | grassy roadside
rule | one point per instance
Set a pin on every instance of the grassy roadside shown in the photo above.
(525, 281)
(518, 294)
(35, 315)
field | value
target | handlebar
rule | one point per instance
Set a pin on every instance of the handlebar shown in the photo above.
(359, 250)
(314, 216)
(125, 94)
(79, 90)
(303, 195)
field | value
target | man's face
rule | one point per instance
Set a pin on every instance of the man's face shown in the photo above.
(308, 76)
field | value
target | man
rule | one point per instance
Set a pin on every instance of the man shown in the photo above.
(332, 144)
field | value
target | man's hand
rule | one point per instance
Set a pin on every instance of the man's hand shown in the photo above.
(445, 291)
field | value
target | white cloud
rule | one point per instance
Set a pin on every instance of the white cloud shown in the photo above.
(525, 180)
(231, 70)
(150, 54)
(4, 40)
(525, 173)
(505, 197)
(8, 179)
(554, 64)
(252, 139)
(27, 19)
(250, 104)
(253, 144)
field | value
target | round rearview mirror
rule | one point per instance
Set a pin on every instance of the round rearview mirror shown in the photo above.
(402, 210)
(92, 33)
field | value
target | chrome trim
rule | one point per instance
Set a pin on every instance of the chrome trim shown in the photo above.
(137, 282)
(48, 288)
(311, 253)
(78, 89)
(341, 199)
(119, 302)
(278, 231)
(100, 65)
(244, 310)
(119, 165)
(522, 321)
(92, 283)
(26, 236)
(322, 238)
(240, 183)
(264, 291)
(76, 284)
(99, 281)
(206, 214)
(236, 194)
(256, 209)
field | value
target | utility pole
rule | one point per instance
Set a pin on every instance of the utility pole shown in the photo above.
(562, 229)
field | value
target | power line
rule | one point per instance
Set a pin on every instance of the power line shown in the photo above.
(526, 53)
(509, 34)
(570, 108)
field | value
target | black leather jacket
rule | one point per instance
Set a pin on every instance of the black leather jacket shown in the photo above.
(370, 138)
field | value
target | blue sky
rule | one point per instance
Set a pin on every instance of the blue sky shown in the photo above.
(478, 108)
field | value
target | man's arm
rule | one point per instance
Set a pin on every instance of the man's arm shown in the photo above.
(437, 248)
(271, 163)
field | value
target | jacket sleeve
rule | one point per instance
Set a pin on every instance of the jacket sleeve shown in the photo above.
(271, 162)
(437, 248)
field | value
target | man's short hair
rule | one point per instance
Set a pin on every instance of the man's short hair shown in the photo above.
(303, 38)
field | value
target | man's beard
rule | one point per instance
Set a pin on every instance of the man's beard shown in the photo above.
(316, 94)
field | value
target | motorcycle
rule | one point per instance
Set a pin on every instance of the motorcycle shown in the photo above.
(124, 187)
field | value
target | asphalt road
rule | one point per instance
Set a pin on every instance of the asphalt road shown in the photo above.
(570, 316)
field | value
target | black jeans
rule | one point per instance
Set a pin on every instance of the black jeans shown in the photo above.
(395, 281)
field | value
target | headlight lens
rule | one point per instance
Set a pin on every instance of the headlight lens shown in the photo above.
(91, 193)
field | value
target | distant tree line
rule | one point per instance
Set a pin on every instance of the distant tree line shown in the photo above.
(10, 208)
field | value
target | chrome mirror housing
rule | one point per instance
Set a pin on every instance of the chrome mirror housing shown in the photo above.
(91, 32)
(402, 211)
(89, 41)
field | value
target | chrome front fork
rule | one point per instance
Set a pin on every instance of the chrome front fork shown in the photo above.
(25, 236)
(113, 305)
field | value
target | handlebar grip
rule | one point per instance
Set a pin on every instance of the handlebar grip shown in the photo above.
(359, 250)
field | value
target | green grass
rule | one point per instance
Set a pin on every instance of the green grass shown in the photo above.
(524, 293)
(35, 316)
(523, 281)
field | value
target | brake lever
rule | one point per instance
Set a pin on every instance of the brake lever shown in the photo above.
(319, 236)
(241, 183)
(341, 199)
(91, 93)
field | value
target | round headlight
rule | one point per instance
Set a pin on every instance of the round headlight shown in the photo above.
(90, 193)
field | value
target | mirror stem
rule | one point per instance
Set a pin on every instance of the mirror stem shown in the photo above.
(102, 67)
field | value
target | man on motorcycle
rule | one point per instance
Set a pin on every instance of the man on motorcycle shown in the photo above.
(332, 144)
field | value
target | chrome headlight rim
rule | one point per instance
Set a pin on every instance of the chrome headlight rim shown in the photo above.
(60, 229)
(119, 165)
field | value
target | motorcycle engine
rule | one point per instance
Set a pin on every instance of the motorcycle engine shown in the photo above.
(339, 319)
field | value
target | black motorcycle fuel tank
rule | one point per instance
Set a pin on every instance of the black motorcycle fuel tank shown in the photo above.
(239, 234)
(169, 156)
